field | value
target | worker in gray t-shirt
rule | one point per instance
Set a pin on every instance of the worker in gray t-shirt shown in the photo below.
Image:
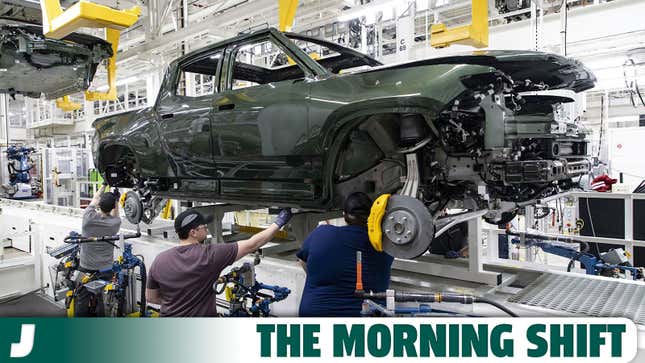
(99, 222)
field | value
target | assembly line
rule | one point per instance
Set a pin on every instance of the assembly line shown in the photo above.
(263, 159)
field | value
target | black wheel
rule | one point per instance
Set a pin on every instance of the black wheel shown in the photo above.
(112, 304)
(407, 227)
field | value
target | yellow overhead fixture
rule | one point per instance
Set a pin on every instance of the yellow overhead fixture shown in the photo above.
(287, 14)
(65, 104)
(57, 24)
(474, 34)
(112, 37)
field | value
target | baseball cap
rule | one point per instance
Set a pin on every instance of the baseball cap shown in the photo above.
(358, 204)
(190, 219)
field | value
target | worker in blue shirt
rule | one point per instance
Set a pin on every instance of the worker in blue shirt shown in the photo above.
(328, 255)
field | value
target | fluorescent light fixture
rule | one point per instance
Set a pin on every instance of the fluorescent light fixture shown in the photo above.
(368, 10)
(605, 62)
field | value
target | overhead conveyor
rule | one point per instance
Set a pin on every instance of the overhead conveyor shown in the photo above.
(58, 23)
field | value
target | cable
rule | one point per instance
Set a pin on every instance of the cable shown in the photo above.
(640, 188)
(593, 230)
(602, 116)
(638, 92)
(434, 297)
(497, 305)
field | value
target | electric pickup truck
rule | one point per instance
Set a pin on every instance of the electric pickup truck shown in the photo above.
(281, 119)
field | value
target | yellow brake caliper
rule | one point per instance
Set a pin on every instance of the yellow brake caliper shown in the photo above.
(374, 221)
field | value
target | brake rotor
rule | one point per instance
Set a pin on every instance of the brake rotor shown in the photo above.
(133, 208)
(407, 227)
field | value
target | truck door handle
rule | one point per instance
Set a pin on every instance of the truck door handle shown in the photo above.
(228, 106)
(167, 115)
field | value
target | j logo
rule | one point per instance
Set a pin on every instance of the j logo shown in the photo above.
(23, 348)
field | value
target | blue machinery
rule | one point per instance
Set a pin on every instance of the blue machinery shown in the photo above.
(117, 296)
(608, 264)
(247, 297)
(19, 164)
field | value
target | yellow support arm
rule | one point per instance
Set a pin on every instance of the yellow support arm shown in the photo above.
(475, 34)
(166, 212)
(112, 36)
(65, 104)
(287, 14)
(57, 24)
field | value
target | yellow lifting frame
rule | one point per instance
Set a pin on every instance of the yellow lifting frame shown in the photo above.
(65, 104)
(474, 34)
(57, 24)
(287, 14)
(112, 36)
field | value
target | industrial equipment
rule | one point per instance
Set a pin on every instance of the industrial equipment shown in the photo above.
(245, 295)
(59, 23)
(613, 263)
(115, 297)
(63, 168)
(19, 164)
(474, 34)
(391, 298)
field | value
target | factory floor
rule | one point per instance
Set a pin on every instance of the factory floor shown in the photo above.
(31, 305)
(10, 252)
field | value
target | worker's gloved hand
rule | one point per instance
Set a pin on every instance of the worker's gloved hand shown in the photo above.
(116, 193)
(283, 217)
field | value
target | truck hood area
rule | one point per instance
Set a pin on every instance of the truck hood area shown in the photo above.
(552, 70)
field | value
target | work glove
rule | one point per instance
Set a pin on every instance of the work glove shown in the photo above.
(283, 217)
(116, 193)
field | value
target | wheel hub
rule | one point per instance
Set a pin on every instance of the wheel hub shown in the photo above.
(407, 227)
(400, 227)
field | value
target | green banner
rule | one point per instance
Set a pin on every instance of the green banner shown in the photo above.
(107, 340)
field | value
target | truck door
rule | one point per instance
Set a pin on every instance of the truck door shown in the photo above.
(260, 122)
(185, 118)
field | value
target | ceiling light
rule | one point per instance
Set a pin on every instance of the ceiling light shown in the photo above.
(368, 10)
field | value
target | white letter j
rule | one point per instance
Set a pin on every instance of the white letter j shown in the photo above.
(23, 348)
